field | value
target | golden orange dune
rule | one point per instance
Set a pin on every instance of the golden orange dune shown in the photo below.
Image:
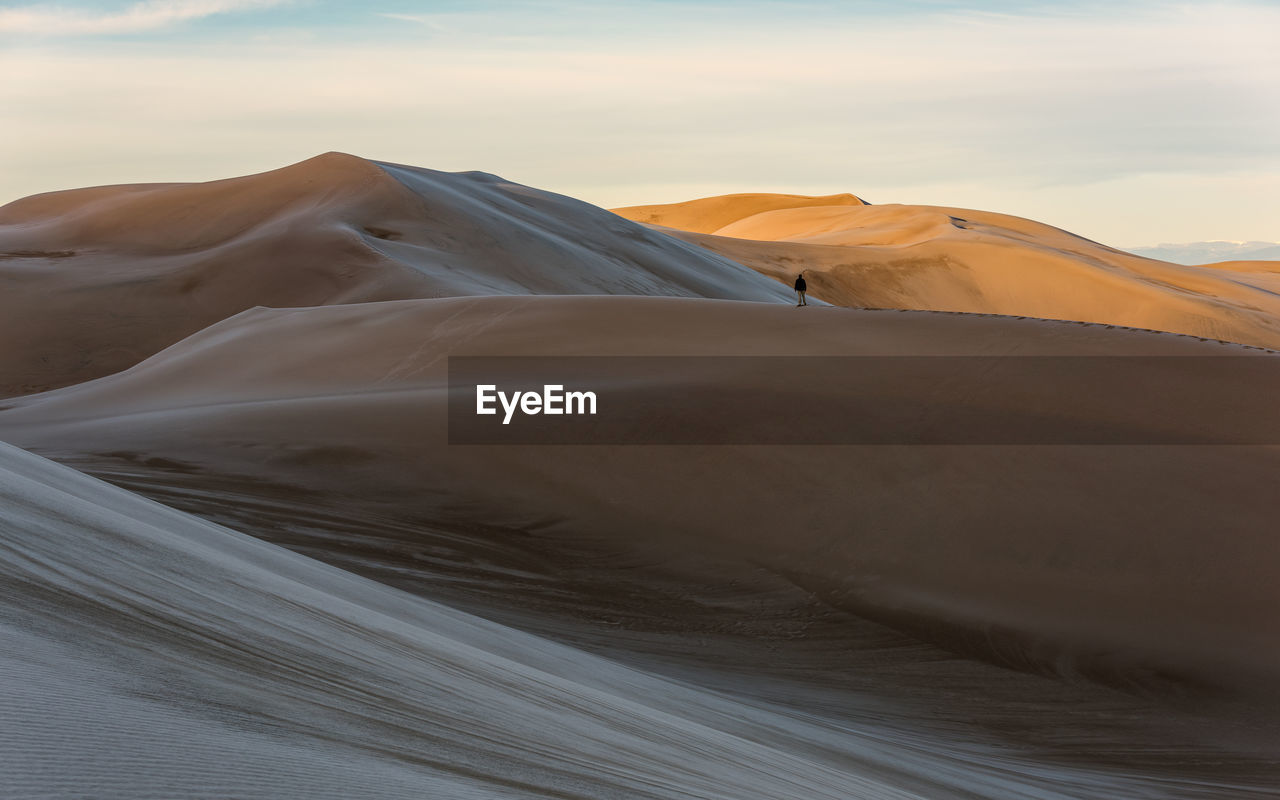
(953, 259)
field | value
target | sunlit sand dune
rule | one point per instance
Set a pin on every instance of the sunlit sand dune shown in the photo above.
(952, 259)
(95, 280)
(710, 214)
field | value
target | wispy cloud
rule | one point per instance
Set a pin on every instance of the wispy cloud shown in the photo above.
(53, 20)
(419, 19)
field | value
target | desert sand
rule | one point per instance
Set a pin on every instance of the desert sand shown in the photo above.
(955, 259)
(295, 569)
(95, 280)
(352, 405)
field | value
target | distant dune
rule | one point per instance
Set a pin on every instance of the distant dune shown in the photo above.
(710, 214)
(97, 279)
(951, 259)
(94, 280)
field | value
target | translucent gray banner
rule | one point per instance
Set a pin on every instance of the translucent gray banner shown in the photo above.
(865, 400)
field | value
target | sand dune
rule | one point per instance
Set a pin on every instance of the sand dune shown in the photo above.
(95, 280)
(149, 653)
(211, 664)
(271, 353)
(952, 259)
(710, 214)
(988, 546)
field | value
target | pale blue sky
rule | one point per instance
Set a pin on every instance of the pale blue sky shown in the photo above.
(1128, 122)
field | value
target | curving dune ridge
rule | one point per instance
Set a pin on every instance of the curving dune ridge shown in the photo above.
(326, 684)
(978, 538)
(94, 280)
(953, 259)
(335, 601)
(710, 214)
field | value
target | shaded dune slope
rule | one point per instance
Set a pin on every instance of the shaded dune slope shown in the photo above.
(984, 548)
(209, 664)
(950, 259)
(94, 280)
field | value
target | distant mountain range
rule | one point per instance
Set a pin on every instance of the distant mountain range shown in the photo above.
(1209, 252)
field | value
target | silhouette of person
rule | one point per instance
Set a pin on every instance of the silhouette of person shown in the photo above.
(801, 286)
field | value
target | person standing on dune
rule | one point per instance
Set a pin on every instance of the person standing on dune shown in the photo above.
(801, 286)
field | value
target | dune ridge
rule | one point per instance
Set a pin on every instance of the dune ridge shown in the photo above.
(219, 665)
(94, 280)
(353, 404)
(953, 259)
(711, 214)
